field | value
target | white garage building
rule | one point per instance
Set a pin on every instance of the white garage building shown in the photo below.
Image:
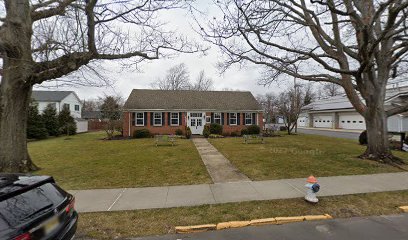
(338, 113)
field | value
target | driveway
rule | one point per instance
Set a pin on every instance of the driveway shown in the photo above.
(329, 133)
(374, 228)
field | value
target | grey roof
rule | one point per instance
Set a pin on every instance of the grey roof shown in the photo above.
(91, 114)
(342, 102)
(190, 100)
(50, 96)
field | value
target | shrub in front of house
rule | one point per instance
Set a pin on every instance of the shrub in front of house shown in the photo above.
(141, 133)
(244, 131)
(363, 138)
(216, 128)
(206, 131)
(179, 132)
(188, 133)
(254, 129)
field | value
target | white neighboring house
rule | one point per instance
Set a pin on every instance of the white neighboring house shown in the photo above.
(59, 99)
(338, 113)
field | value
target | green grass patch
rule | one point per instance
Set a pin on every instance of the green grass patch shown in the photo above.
(84, 161)
(114, 225)
(295, 156)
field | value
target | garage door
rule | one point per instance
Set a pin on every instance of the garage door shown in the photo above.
(351, 121)
(302, 121)
(322, 121)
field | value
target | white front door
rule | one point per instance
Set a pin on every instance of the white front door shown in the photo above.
(196, 121)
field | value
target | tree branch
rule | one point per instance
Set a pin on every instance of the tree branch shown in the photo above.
(58, 10)
(397, 110)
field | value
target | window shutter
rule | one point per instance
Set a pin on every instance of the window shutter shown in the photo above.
(134, 119)
(145, 118)
(180, 118)
(151, 119)
(222, 119)
(228, 119)
(254, 119)
(163, 119)
(169, 118)
(238, 119)
(212, 117)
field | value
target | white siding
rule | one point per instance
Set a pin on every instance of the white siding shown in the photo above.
(82, 125)
(72, 100)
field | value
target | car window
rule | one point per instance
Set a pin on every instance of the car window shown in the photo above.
(16, 210)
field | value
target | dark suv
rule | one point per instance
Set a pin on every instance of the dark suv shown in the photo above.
(34, 207)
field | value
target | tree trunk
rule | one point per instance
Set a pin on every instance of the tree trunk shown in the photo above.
(15, 88)
(378, 147)
(14, 101)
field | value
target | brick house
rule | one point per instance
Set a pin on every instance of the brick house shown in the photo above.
(165, 111)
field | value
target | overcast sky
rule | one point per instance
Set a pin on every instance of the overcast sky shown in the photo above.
(124, 81)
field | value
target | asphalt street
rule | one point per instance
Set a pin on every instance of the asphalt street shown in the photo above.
(392, 227)
(328, 133)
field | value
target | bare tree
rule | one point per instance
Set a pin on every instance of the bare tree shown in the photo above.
(111, 109)
(268, 103)
(289, 104)
(203, 83)
(177, 78)
(91, 104)
(331, 89)
(352, 43)
(45, 40)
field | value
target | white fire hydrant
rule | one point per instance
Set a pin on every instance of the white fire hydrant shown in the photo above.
(312, 188)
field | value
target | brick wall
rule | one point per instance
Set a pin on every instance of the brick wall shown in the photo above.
(166, 129)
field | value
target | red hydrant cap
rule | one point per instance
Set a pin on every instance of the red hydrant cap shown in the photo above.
(311, 179)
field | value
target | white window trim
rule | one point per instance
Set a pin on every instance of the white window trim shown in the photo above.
(250, 118)
(236, 119)
(136, 118)
(154, 119)
(220, 117)
(171, 119)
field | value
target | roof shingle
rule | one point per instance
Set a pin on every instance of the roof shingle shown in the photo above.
(50, 96)
(148, 99)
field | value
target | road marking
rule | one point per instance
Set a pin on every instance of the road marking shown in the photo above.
(120, 195)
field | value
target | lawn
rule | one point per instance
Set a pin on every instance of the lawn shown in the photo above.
(85, 161)
(115, 225)
(298, 156)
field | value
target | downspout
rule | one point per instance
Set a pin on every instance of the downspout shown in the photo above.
(129, 116)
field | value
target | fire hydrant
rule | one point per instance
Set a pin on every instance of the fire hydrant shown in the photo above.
(312, 188)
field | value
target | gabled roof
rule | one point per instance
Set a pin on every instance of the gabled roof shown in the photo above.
(148, 99)
(342, 102)
(50, 96)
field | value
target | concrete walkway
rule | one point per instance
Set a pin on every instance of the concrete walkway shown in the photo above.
(100, 200)
(220, 168)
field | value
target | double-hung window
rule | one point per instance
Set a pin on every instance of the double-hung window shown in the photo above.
(76, 107)
(217, 118)
(174, 119)
(248, 119)
(157, 119)
(139, 119)
(233, 118)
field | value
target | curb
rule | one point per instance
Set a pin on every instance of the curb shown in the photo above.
(254, 222)
(404, 208)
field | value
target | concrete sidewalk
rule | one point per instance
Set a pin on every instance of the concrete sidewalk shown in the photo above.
(100, 200)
